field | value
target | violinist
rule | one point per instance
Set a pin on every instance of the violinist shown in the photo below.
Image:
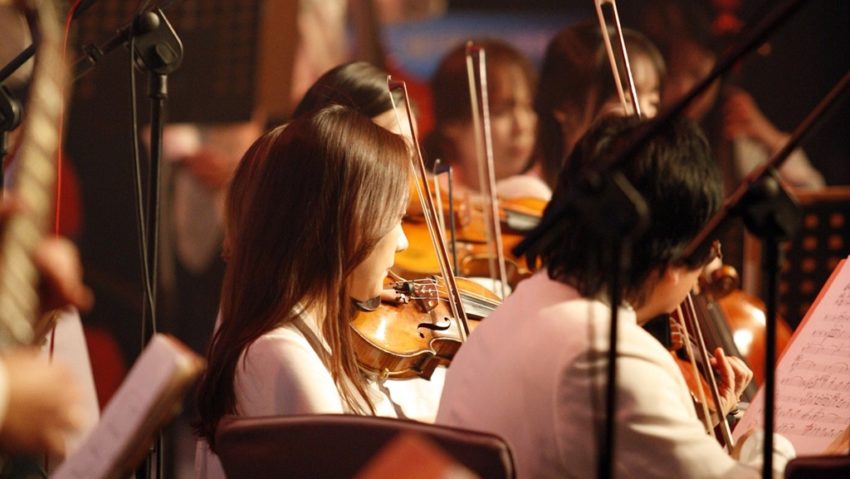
(318, 227)
(576, 87)
(362, 87)
(534, 372)
(511, 84)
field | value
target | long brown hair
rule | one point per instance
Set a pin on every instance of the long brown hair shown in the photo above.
(360, 86)
(324, 190)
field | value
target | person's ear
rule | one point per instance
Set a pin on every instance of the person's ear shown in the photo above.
(560, 116)
(671, 275)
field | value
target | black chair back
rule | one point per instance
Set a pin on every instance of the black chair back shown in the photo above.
(338, 446)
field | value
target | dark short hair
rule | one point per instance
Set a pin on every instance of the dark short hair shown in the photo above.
(678, 179)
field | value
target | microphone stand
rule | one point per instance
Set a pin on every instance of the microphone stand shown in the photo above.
(773, 215)
(157, 50)
(617, 214)
(10, 118)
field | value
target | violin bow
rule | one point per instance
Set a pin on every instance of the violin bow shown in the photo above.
(484, 155)
(686, 340)
(615, 70)
(428, 209)
(691, 325)
(725, 430)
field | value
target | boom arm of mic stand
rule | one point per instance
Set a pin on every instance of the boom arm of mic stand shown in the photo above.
(748, 190)
(759, 34)
(92, 54)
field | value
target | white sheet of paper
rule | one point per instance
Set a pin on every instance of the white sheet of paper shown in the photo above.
(125, 414)
(813, 374)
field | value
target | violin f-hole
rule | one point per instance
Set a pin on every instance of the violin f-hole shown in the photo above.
(435, 326)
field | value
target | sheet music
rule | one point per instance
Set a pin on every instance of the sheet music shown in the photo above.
(813, 374)
(129, 410)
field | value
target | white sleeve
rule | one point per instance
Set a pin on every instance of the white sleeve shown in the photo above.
(750, 451)
(282, 375)
(417, 397)
(523, 186)
(658, 434)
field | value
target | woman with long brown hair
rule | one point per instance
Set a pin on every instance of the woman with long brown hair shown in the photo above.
(318, 226)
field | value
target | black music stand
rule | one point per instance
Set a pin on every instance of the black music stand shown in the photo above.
(813, 254)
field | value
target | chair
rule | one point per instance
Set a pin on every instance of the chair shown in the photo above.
(333, 445)
(818, 467)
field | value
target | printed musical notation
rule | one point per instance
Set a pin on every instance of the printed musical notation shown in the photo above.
(813, 375)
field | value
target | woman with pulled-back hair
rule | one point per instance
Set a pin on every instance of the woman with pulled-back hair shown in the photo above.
(319, 222)
(577, 87)
(360, 86)
(511, 84)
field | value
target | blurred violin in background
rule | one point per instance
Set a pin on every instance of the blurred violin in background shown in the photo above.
(463, 221)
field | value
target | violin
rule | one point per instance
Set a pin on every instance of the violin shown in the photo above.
(469, 248)
(410, 330)
(698, 374)
(390, 340)
(733, 321)
(702, 384)
(483, 233)
(516, 215)
(742, 321)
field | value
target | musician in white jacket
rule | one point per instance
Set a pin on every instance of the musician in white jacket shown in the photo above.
(535, 371)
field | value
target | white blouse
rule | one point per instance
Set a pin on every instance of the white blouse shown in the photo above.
(282, 374)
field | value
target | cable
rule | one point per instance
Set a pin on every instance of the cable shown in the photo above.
(141, 230)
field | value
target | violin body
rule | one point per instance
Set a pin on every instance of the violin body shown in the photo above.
(698, 387)
(410, 339)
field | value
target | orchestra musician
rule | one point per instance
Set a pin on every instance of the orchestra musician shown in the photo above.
(362, 87)
(318, 227)
(511, 82)
(550, 336)
(683, 32)
(576, 87)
